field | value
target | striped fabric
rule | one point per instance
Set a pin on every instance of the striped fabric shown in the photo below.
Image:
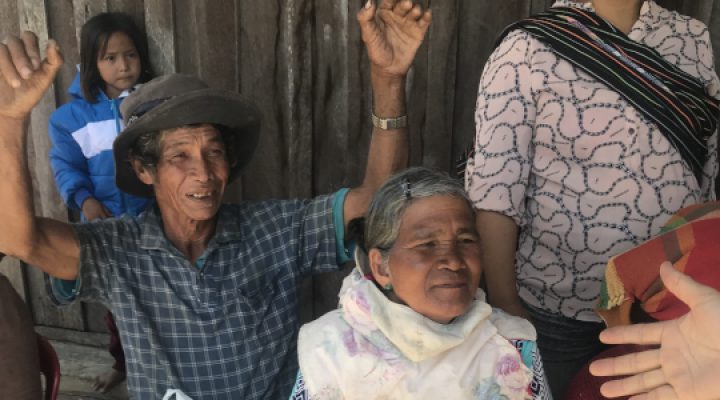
(689, 242)
(672, 99)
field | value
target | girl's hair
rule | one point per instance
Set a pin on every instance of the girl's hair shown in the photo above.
(93, 42)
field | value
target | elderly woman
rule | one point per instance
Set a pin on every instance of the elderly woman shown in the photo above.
(412, 323)
(595, 123)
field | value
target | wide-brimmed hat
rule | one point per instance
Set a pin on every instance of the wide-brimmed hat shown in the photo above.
(176, 100)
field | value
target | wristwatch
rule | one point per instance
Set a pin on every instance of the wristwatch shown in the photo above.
(389, 123)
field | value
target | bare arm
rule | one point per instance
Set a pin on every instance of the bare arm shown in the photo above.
(498, 237)
(392, 32)
(50, 245)
(388, 151)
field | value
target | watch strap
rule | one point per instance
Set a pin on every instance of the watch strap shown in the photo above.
(389, 123)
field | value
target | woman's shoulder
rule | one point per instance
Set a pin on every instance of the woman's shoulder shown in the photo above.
(681, 40)
(662, 17)
(516, 36)
(519, 46)
(664, 29)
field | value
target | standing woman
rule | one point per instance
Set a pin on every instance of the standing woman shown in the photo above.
(595, 123)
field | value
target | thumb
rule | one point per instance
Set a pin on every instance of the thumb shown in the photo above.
(366, 19)
(52, 63)
(684, 287)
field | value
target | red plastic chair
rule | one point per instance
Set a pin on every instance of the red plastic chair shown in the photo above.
(49, 367)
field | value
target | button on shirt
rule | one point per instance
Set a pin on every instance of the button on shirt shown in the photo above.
(225, 328)
(582, 172)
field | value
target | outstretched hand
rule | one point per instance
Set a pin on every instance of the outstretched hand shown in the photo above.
(24, 75)
(392, 32)
(687, 363)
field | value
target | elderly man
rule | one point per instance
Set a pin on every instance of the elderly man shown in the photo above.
(205, 294)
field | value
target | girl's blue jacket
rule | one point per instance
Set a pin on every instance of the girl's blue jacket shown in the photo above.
(82, 134)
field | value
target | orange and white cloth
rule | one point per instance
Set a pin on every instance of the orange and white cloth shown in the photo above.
(690, 241)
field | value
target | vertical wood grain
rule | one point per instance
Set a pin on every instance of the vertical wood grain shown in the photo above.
(33, 17)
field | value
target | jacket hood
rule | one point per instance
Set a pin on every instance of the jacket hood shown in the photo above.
(75, 90)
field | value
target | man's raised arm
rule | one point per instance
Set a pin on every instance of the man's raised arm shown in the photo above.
(24, 77)
(392, 32)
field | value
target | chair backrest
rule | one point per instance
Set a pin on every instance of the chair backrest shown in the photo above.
(49, 367)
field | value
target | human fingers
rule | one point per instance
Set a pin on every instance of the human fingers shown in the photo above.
(402, 8)
(16, 64)
(52, 63)
(641, 383)
(627, 364)
(664, 392)
(30, 40)
(105, 212)
(366, 19)
(386, 4)
(367, 13)
(19, 56)
(425, 20)
(637, 334)
(7, 67)
(416, 12)
(54, 55)
(684, 287)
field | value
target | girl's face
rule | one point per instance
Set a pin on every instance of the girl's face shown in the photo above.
(119, 66)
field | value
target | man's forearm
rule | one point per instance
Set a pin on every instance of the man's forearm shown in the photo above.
(17, 210)
(388, 148)
(498, 237)
(388, 152)
(47, 244)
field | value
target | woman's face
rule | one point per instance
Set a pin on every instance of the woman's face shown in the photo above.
(434, 266)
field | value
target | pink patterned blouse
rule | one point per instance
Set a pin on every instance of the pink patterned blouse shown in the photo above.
(580, 170)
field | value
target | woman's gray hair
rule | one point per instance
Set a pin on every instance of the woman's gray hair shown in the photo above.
(382, 225)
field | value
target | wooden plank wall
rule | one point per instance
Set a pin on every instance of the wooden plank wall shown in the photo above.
(302, 61)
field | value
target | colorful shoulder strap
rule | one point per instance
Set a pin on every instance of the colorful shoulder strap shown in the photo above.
(669, 97)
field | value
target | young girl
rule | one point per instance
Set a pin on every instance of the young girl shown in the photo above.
(113, 60)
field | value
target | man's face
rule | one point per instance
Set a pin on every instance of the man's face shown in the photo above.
(191, 173)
